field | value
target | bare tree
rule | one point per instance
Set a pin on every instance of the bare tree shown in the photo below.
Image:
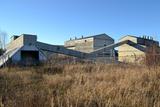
(3, 38)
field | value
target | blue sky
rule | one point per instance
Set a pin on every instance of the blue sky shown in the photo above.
(55, 21)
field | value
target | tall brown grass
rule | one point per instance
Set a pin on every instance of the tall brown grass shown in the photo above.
(153, 56)
(80, 85)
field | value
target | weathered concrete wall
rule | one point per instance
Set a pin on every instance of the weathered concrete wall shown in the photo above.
(82, 45)
(70, 43)
(85, 45)
(16, 43)
(17, 56)
(100, 42)
(29, 39)
(128, 53)
(24, 39)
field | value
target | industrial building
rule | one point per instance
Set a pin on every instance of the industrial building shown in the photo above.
(91, 43)
(26, 50)
(128, 53)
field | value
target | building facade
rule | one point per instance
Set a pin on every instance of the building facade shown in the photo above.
(22, 50)
(128, 53)
(92, 43)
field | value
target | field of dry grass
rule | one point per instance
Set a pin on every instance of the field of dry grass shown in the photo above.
(80, 85)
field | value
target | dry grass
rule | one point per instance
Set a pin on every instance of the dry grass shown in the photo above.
(81, 85)
(152, 56)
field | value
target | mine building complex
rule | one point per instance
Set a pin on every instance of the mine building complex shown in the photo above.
(25, 49)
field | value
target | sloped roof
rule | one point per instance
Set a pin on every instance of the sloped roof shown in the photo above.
(128, 36)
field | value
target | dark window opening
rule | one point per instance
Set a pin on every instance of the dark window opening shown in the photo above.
(29, 57)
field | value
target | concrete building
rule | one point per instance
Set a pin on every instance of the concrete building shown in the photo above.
(92, 43)
(26, 50)
(130, 48)
(130, 53)
(22, 49)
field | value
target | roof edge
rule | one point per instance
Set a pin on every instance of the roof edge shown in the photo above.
(128, 36)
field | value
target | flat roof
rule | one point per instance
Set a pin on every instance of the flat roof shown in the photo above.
(103, 34)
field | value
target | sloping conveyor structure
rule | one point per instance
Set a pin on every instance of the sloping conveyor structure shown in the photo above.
(78, 54)
(11, 54)
(101, 50)
(60, 50)
(7, 55)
